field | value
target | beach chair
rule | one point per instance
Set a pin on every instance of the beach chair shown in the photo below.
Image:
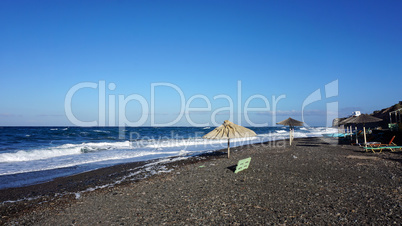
(391, 148)
(391, 143)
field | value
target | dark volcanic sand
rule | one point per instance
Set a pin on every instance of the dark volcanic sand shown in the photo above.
(314, 181)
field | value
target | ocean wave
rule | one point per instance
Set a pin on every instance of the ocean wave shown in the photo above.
(164, 146)
(21, 156)
(101, 131)
(99, 159)
(62, 150)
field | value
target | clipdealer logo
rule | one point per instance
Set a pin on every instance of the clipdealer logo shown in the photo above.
(112, 108)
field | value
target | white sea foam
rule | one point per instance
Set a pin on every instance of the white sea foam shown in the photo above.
(101, 131)
(62, 150)
(21, 156)
(59, 163)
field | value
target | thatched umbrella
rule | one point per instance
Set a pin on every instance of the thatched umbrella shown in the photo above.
(363, 119)
(291, 123)
(347, 120)
(229, 130)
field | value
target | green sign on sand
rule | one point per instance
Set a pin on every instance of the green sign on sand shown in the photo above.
(243, 164)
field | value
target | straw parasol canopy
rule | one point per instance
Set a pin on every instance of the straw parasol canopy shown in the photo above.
(347, 120)
(363, 119)
(229, 130)
(291, 123)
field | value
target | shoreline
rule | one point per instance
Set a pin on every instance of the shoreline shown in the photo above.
(96, 178)
(186, 175)
(102, 177)
(14, 201)
(18, 200)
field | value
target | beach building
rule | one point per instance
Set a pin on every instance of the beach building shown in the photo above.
(395, 120)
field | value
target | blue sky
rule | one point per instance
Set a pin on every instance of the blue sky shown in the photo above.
(204, 48)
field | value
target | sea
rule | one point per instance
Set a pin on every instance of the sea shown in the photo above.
(32, 155)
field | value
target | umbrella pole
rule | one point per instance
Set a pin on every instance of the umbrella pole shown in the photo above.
(290, 136)
(293, 133)
(364, 132)
(228, 148)
(357, 140)
(351, 132)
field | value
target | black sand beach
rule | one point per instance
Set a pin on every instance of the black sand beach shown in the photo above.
(316, 181)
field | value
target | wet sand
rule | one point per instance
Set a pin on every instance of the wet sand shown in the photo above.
(314, 181)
